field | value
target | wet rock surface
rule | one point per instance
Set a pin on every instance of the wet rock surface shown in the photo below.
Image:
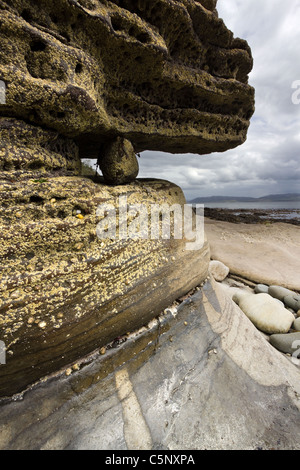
(216, 383)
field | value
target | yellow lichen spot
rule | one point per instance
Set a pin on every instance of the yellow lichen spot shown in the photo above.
(68, 372)
(75, 367)
(53, 200)
(103, 350)
(15, 294)
(42, 324)
(80, 216)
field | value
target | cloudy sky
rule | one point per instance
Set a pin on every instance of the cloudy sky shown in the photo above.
(269, 161)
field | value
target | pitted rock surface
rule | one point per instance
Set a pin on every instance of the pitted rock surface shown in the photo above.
(166, 75)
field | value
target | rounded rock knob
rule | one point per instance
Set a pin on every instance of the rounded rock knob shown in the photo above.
(118, 162)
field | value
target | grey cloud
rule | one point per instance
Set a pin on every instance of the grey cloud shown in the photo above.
(269, 159)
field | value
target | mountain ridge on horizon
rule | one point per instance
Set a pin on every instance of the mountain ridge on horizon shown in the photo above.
(269, 197)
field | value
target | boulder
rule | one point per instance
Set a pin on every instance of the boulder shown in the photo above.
(71, 281)
(118, 162)
(263, 254)
(265, 312)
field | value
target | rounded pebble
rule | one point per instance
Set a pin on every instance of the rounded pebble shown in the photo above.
(296, 324)
(261, 289)
(287, 343)
(279, 292)
(265, 312)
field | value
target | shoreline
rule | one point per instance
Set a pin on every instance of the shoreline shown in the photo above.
(253, 216)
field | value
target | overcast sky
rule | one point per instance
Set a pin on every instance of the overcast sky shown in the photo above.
(269, 161)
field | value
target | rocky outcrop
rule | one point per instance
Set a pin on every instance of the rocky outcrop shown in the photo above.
(199, 378)
(67, 289)
(165, 75)
(102, 80)
(218, 270)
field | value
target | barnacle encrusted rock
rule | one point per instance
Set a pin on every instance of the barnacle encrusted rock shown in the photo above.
(66, 291)
(105, 80)
(166, 75)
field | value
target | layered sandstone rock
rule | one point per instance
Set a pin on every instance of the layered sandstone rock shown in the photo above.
(103, 80)
(67, 289)
(167, 75)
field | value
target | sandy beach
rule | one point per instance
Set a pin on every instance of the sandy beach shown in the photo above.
(266, 253)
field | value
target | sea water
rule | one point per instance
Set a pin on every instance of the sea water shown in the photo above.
(284, 209)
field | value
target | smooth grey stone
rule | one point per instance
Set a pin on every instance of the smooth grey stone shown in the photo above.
(292, 301)
(279, 292)
(287, 343)
(296, 324)
(261, 289)
(218, 270)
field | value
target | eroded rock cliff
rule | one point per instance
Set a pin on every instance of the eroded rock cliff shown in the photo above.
(167, 75)
(82, 77)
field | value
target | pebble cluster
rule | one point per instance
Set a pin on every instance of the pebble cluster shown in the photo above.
(285, 342)
(274, 310)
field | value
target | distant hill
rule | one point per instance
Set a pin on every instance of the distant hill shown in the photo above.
(268, 198)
